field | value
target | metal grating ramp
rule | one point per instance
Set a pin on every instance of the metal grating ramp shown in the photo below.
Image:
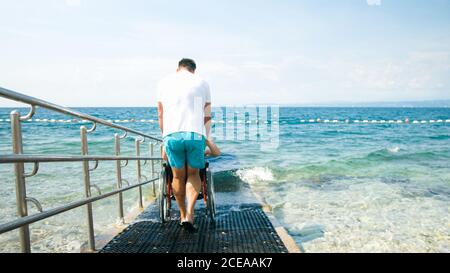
(245, 229)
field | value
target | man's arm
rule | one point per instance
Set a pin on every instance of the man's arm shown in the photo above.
(208, 118)
(161, 117)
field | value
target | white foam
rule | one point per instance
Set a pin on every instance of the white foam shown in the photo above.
(256, 174)
(394, 150)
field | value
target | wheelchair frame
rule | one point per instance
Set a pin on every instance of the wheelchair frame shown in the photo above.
(165, 193)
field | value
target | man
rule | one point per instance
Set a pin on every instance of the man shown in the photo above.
(184, 113)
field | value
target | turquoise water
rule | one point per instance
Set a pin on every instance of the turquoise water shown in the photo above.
(346, 187)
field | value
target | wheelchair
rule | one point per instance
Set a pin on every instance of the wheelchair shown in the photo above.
(165, 194)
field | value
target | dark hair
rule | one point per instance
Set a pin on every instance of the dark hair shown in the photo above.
(187, 63)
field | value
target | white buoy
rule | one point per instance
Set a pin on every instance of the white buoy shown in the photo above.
(365, 121)
(374, 121)
(432, 121)
(439, 121)
(382, 121)
(302, 121)
(311, 120)
(45, 120)
(335, 121)
(415, 122)
(7, 120)
(326, 121)
(424, 121)
(356, 121)
(1, 120)
(399, 121)
(391, 121)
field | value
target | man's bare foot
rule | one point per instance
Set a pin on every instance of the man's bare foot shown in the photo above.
(189, 227)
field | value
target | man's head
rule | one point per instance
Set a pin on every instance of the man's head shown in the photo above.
(187, 64)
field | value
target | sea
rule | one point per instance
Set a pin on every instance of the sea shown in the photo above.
(339, 179)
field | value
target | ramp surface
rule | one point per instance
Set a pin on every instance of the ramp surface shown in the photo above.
(243, 228)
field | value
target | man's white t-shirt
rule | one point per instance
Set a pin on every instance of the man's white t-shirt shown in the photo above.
(183, 96)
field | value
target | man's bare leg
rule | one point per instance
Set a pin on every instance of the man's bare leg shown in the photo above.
(179, 190)
(192, 190)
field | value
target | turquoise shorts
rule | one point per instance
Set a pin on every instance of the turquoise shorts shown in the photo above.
(185, 147)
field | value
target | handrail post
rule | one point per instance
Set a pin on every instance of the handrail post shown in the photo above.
(119, 177)
(138, 162)
(87, 189)
(21, 193)
(152, 145)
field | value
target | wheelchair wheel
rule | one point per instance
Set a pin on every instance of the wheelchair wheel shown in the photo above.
(211, 198)
(162, 197)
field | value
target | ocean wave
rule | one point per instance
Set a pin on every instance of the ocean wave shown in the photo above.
(396, 153)
(440, 137)
(256, 174)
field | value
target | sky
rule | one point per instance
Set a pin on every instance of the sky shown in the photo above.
(112, 53)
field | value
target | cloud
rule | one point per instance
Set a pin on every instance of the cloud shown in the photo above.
(73, 3)
(373, 2)
(292, 80)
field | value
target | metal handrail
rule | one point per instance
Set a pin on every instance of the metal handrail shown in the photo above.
(49, 213)
(9, 94)
(18, 158)
(4, 159)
